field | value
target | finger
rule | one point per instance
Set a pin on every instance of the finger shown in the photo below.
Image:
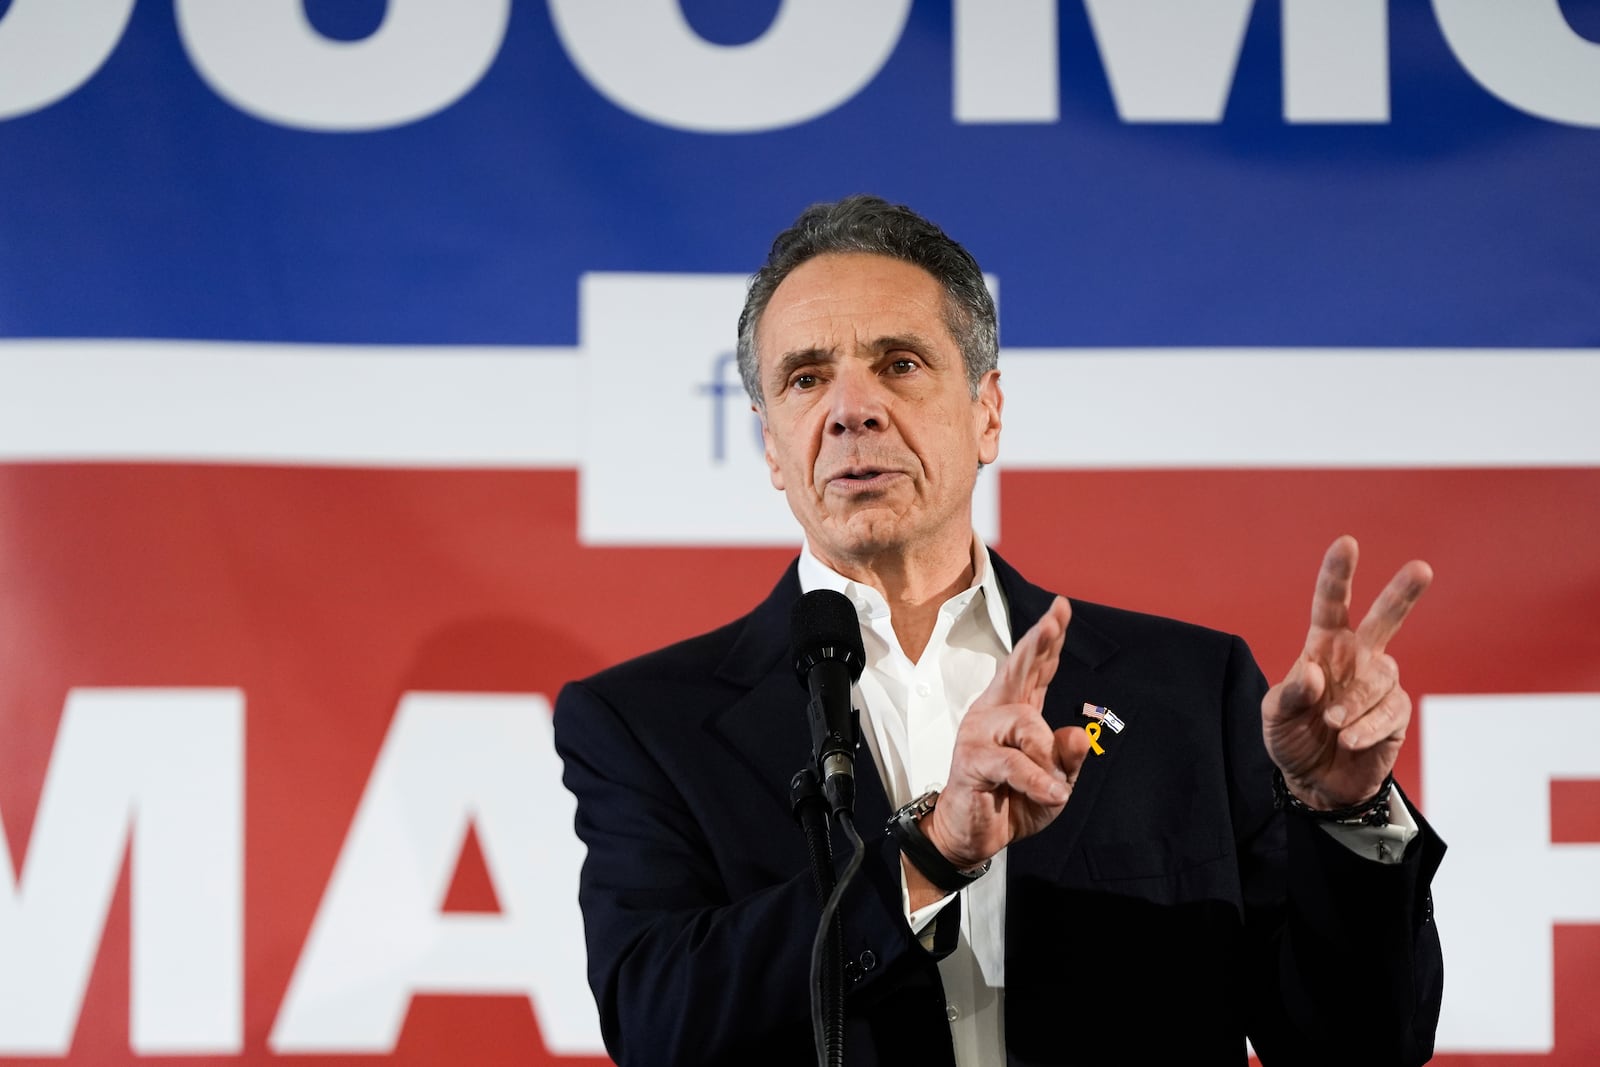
(1303, 688)
(1000, 728)
(1365, 691)
(1048, 656)
(1032, 662)
(1009, 768)
(1006, 687)
(1026, 731)
(1330, 604)
(1072, 748)
(1386, 722)
(1041, 645)
(1061, 611)
(1010, 680)
(1383, 619)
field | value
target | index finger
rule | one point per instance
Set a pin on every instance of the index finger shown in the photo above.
(1049, 652)
(1330, 604)
(1034, 658)
(1394, 604)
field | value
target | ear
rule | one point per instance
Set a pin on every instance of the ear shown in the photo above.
(769, 450)
(986, 408)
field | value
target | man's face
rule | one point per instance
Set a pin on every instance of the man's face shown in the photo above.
(870, 428)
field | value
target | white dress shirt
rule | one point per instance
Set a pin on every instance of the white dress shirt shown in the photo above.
(909, 715)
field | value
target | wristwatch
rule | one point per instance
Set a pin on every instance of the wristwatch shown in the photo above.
(1374, 811)
(905, 827)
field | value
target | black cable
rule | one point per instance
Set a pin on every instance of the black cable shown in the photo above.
(813, 815)
(829, 1033)
(811, 811)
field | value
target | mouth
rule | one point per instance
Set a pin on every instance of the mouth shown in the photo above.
(858, 478)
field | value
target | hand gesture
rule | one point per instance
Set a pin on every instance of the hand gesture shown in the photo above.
(1335, 724)
(1009, 775)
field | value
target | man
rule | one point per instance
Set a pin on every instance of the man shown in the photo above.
(1128, 893)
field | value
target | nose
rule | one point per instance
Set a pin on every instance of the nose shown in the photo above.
(857, 401)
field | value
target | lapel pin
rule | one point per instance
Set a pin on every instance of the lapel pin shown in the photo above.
(1101, 713)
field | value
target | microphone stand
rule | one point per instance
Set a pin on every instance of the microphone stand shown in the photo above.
(828, 657)
(827, 989)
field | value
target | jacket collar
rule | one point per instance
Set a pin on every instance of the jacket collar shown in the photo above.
(762, 644)
(1028, 603)
(766, 727)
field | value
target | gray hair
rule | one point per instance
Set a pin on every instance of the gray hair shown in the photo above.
(872, 225)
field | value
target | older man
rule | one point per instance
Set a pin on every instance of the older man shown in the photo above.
(1151, 890)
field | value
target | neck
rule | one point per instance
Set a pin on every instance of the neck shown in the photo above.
(914, 584)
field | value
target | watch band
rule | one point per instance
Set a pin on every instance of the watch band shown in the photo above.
(905, 827)
(1374, 811)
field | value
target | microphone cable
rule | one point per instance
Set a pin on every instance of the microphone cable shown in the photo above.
(829, 1037)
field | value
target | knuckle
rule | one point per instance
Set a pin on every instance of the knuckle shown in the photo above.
(1390, 718)
(1402, 706)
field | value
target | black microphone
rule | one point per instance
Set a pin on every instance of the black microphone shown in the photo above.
(825, 639)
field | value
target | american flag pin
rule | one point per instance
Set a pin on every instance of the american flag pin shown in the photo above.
(1101, 713)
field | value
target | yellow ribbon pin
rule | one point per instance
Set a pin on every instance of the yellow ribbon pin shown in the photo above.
(1093, 730)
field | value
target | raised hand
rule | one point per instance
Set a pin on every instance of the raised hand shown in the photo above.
(1335, 724)
(1010, 775)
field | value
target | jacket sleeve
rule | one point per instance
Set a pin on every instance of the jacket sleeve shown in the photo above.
(1344, 954)
(683, 969)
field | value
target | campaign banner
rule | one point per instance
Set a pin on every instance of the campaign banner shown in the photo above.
(366, 373)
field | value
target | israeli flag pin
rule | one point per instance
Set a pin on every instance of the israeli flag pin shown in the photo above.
(1101, 713)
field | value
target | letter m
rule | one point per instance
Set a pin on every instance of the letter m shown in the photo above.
(164, 770)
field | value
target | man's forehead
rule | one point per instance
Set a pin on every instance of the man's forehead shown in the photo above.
(853, 298)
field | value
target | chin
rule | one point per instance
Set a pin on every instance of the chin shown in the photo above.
(870, 536)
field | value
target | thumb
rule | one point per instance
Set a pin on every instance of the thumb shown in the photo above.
(1072, 747)
(1302, 688)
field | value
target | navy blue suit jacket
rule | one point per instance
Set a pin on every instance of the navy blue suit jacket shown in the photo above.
(1166, 913)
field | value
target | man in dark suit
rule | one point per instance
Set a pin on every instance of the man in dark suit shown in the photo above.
(1108, 871)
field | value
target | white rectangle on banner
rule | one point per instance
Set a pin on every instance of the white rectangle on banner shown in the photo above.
(312, 405)
(671, 450)
(1110, 408)
(649, 407)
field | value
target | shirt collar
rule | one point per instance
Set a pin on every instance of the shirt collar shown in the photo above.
(871, 606)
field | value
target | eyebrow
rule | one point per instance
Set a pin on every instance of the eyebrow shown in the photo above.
(803, 357)
(800, 357)
(913, 341)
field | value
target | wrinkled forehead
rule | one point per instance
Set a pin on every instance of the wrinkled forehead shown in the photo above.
(847, 300)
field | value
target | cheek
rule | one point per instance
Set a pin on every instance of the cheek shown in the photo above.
(791, 453)
(771, 451)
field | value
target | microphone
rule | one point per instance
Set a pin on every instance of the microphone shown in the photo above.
(825, 641)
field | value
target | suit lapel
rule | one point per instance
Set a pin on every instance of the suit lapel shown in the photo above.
(765, 729)
(1078, 681)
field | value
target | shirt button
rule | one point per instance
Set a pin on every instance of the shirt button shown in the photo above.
(869, 960)
(952, 1011)
(923, 690)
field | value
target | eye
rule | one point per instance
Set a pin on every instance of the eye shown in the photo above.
(803, 382)
(902, 366)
